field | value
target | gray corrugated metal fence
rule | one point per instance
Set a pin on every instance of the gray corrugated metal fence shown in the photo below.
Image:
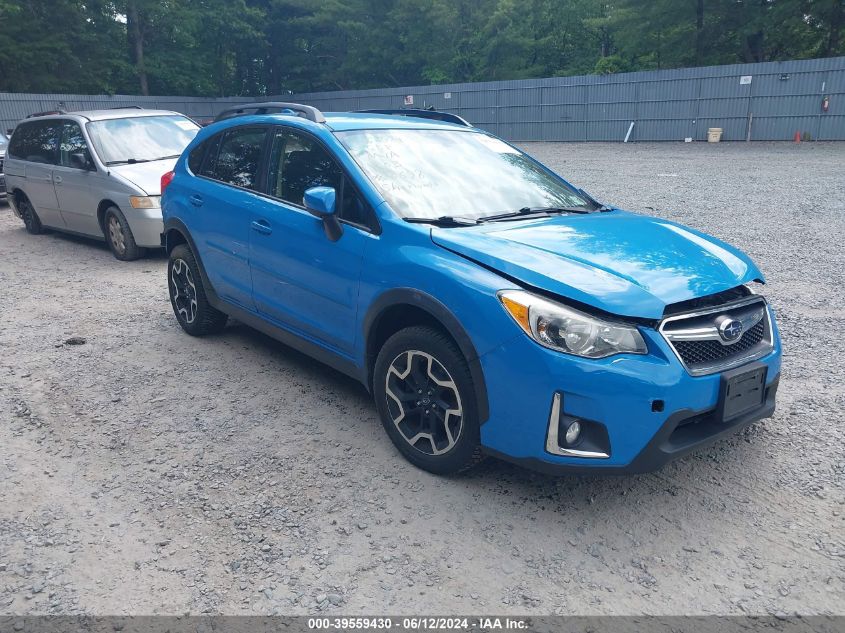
(774, 100)
(779, 99)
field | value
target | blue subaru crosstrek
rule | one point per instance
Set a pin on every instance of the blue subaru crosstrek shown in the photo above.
(489, 306)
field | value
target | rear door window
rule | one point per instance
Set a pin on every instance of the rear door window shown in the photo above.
(36, 142)
(238, 158)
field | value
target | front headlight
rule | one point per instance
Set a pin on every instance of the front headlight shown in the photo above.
(145, 202)
(561, 328)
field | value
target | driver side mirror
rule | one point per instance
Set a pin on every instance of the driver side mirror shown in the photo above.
(321, 201)
(80, 160)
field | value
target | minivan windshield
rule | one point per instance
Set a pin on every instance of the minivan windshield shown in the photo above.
(433, 173)
(141, 139)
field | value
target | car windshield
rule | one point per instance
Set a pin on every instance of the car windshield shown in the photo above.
(141, 139)
(432, 173)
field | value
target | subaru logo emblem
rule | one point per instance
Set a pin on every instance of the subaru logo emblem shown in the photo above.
(730, 329)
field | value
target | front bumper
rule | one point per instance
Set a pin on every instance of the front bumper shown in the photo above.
(683, 432)
(146, 225)
(619, 393)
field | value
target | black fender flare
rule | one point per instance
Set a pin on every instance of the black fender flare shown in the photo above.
(427, 303)
(175, 224)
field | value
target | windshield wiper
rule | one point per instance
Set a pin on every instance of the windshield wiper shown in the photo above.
(128, 161)
(444, 220)
(533, 212)
(135, 161)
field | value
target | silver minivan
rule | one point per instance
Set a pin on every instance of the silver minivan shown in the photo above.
(96, 173)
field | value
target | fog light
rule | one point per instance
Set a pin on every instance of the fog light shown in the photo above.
(573, 433)
(569, 436)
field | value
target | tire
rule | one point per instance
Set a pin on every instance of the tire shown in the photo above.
(426, 360)
(187, 295)
(119, 236)
(30, 218)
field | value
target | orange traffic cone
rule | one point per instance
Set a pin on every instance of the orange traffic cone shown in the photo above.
(798, 137)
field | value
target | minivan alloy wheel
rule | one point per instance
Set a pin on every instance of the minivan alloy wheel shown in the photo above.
(183, 290)
(424, 403)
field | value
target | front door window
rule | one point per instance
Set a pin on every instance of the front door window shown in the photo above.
(73, 142)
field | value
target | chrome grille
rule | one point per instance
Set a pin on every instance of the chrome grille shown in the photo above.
(701, 352)
(697, 340)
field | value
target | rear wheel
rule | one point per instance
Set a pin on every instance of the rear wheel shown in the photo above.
(187, 295)
(30, 218)
(426, 399)
(119, 236)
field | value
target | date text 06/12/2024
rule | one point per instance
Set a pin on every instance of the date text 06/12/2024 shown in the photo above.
(418, 623)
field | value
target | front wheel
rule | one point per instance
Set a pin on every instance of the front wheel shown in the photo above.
(119, 236)
(187, 295)
(426, 399)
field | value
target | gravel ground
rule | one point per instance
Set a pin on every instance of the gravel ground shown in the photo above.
(146, 472)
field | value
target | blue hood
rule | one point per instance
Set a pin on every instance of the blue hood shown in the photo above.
(619, 262)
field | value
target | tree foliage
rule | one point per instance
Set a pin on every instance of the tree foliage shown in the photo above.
(255, 47)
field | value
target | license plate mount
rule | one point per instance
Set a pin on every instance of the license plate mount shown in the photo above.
(742, 390)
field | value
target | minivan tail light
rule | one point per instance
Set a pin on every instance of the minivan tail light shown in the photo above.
(166, 179)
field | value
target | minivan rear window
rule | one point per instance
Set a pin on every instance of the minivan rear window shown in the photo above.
(36, 141)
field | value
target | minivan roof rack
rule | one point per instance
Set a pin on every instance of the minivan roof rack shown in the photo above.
(47, 113)
(132, 107)
(272, 107)
(435, 115)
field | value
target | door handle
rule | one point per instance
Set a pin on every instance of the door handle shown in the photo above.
(196, 200)
(261, 226)
(57, 180)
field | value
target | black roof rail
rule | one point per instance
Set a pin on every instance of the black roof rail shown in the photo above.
(272, 107)
(132, 107)
(435, 115)
(47, 113)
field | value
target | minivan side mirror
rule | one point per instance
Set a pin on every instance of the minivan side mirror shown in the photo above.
(321, 201)
(80, 160)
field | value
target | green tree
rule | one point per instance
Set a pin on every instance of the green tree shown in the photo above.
(37, 56)
(256, 47)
